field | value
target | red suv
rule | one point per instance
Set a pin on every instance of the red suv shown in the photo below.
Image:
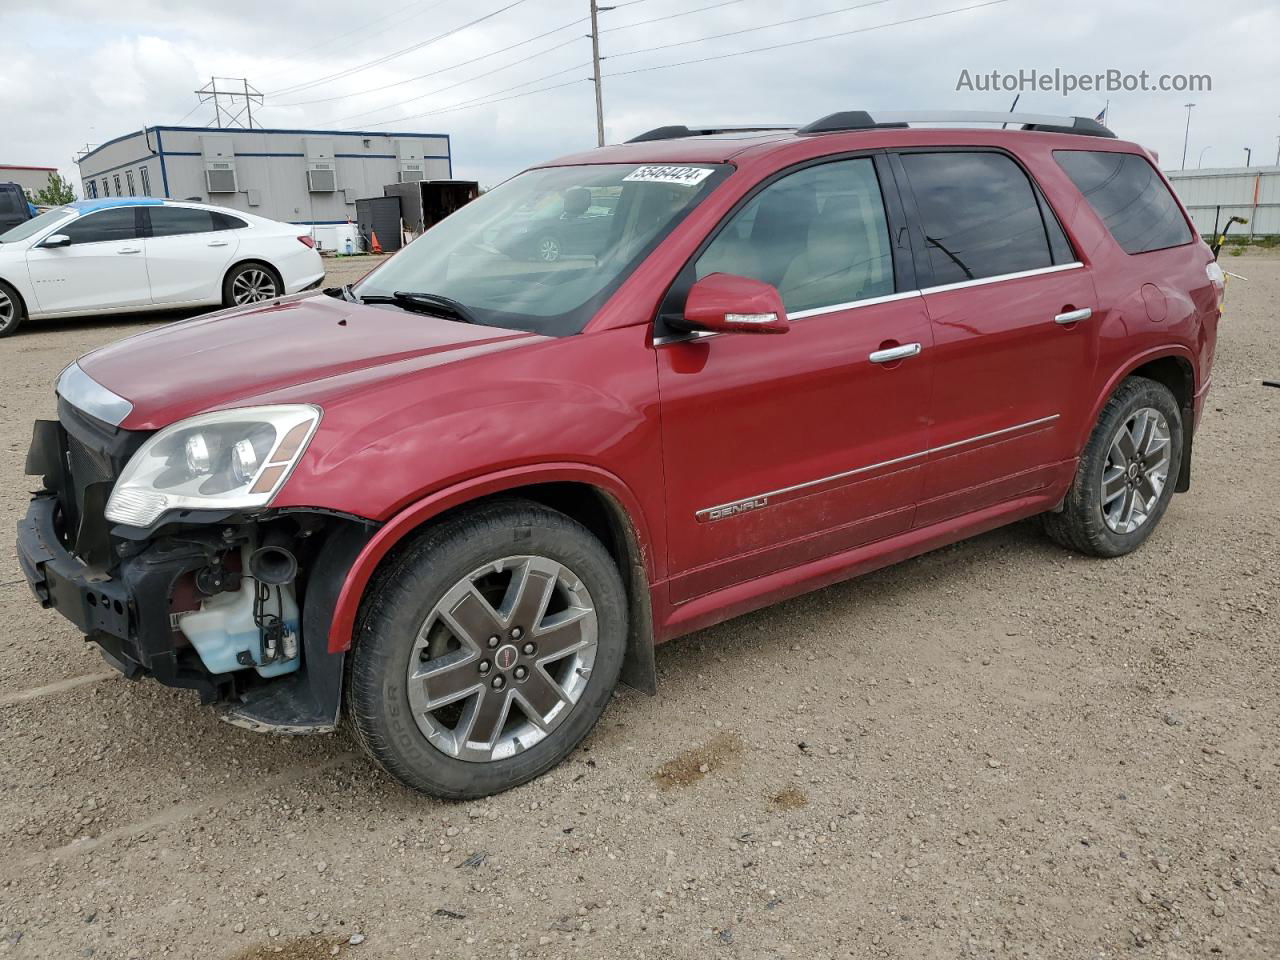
(462, 498)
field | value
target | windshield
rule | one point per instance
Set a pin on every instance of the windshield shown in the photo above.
(33, 226)
(544, 250)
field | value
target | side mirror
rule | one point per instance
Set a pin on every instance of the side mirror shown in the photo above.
(725, 303)
(56, 240)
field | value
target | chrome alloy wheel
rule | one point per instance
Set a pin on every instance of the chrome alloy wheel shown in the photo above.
(503, 658)
(253, 286)
(1136, 470)
(8, 311)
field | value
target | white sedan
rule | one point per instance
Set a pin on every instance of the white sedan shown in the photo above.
(127, 254)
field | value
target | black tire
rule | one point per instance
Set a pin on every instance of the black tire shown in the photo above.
(244, 270)
(401, 599)
(12, 312)
(1081, 525)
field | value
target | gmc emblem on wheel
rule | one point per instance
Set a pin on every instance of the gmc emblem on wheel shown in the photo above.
(732, 509)
(506, 657)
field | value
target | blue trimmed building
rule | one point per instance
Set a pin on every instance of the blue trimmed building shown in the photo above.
(296, 176)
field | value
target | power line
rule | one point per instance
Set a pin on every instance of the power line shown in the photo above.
(397, 53)
(735, 33)
(346, 36)
(796, 43)
(433, 73)
(629, 53)
(491, 99)
(669, 16)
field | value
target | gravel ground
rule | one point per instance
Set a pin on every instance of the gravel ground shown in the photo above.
(996, 750)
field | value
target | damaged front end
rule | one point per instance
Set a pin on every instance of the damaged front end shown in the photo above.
(233, 603)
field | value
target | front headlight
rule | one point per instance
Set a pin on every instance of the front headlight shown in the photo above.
(229, 460)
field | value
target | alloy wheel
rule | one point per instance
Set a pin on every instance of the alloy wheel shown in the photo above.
(549, 249)
(253, 286)
(1136, 470)
(8, 311)
(502, 659)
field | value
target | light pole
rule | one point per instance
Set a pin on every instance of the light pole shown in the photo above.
(1186, 136)
(1200, 162)
(1248, 156)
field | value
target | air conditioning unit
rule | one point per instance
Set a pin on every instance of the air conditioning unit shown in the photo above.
(220, 177)
(411, 172)
(322, 178)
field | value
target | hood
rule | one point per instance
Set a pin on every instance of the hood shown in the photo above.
(227, 358)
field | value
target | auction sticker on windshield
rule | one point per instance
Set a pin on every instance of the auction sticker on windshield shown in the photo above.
(666, 173)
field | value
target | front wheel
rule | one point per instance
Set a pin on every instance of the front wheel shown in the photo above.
(487, 651)
(1126, 475)
(11, 312)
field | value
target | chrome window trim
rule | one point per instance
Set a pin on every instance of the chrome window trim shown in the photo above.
(888, 298)
(86, 394)
(707, 512)
(1000, 278)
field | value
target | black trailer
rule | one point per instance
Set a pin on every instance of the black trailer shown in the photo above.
(424, 203)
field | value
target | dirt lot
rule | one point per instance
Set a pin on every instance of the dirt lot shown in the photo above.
(996, 750)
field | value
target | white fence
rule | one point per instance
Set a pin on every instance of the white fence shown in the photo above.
(1221, 193)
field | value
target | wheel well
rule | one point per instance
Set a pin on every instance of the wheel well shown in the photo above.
(257, 261)
(1176, 374)
(14, 290)
(607, 520)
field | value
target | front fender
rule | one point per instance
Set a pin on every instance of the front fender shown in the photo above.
(412, 517)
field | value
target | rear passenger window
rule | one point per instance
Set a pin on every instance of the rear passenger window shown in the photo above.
(223, 221)
(176, 221)
(980, 215)
(1127, 193)
(819, 235)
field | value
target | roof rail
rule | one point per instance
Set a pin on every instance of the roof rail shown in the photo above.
(1047, 123)
(679, 130)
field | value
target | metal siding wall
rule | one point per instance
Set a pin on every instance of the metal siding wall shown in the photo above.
(282, 180)
(1202, 191)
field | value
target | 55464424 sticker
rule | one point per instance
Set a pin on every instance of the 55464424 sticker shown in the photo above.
(669, 173)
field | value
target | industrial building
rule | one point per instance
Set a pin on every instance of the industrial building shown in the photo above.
(1215, 195)
(30, 179)
(297, 176)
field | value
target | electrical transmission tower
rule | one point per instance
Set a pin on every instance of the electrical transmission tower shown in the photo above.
(233, 103)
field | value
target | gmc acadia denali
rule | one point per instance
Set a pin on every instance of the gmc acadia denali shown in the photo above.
(459, 500)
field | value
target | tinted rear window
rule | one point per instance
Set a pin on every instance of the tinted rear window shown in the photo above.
(980, 215)
(1127, 193)
(9, 202)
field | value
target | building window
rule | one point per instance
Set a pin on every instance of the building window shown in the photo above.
(146, 182)
(106, 187)
(90, 190)
(119, 192)
(128, 178)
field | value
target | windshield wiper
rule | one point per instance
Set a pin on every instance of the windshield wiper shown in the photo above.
(433, 303)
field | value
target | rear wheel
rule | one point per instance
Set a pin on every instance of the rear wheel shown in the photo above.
(250, 283)
(487, 651)
(1126, 474)
(11, 311)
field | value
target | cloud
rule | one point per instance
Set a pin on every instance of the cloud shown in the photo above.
(77, 71)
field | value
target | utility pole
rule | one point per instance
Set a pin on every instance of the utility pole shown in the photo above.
(1248, 156)
(1186, 136)
(595, 59)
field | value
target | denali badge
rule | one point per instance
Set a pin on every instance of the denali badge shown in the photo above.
(732, 509)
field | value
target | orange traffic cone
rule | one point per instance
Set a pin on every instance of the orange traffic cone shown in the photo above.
(374, 245)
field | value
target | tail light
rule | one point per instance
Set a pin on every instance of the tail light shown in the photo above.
(307, 241)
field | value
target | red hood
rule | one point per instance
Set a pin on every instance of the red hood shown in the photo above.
(227, 358)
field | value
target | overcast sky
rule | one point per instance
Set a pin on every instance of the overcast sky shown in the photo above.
(81, 71)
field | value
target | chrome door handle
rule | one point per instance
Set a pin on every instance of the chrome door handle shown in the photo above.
(895, 353)
(1073, 316)
(217, 243)
(127, 250)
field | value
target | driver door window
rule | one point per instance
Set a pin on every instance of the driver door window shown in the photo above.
(818, 235)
